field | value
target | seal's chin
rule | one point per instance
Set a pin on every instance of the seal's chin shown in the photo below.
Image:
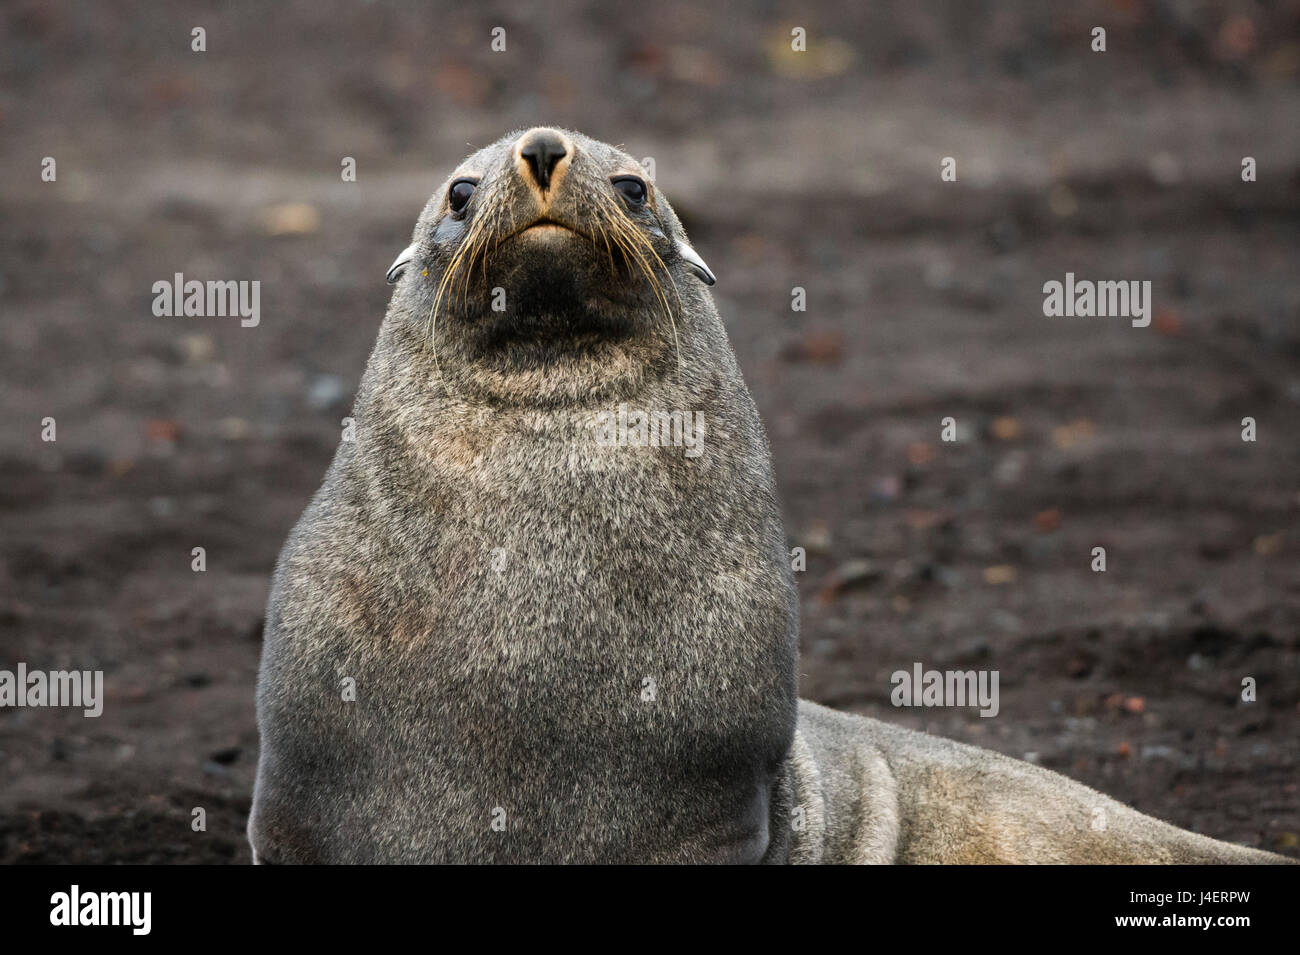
(547, 265)
(558, 299)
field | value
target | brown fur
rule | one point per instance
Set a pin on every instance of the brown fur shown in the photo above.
(516, 694)
(886, 794)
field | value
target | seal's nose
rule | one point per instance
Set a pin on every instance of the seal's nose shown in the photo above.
(542, 149)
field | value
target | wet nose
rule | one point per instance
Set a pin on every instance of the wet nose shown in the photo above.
(542, 149)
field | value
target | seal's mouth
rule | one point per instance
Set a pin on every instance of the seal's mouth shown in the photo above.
(548, 228)
(572, 279)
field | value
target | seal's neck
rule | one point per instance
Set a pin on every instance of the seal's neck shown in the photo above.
(543, 375)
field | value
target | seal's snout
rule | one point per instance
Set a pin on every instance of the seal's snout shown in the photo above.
(540, 154)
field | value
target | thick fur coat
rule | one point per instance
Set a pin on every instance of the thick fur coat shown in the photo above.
(498, 636)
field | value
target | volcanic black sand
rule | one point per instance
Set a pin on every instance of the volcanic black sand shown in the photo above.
(818, 171)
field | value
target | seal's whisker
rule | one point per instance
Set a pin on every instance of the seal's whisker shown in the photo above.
(494, 239)
(633, 242)
(602, 232)
(469, 246)
(474, 247)
(432, 322)
(477, 250)
(448, 277)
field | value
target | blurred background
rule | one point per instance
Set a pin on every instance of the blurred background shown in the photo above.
(817, 170)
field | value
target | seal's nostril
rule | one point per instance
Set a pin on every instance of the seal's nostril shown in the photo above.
(542, 150)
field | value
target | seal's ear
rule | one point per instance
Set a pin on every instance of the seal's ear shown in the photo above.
(695, 263)
(400, 263)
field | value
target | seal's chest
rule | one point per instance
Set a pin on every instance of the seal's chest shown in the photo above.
(644, 441)
(625, 593)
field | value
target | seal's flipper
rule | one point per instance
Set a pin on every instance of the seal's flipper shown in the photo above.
(695, 263)
(400, 263)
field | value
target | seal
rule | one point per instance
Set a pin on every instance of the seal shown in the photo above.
(541, 608)
(506, 628)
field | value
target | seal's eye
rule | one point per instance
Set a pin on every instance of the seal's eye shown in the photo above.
(630, 188)
(459, 194)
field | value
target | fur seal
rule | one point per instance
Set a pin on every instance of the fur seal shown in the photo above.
(522, 622)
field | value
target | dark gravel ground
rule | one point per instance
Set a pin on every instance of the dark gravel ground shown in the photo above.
(818, 171)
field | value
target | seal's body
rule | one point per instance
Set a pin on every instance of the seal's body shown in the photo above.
(541, 608)
(563, 648)
(868, 792)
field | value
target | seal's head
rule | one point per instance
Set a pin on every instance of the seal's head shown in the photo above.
(545, 258)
